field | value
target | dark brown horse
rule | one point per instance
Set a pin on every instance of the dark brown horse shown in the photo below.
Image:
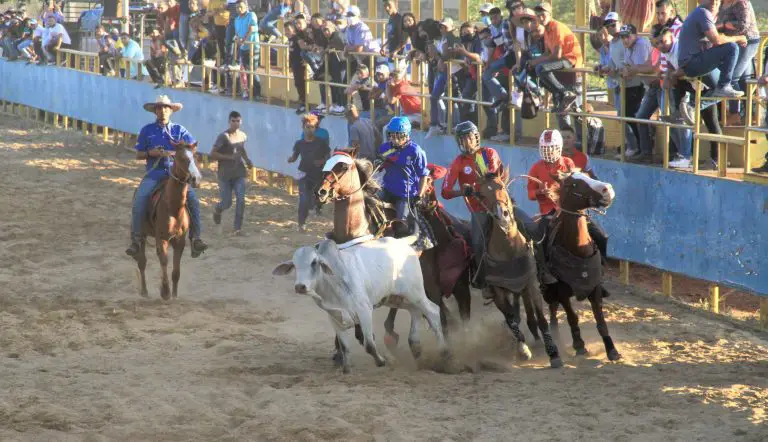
(574, 259)
(511, 267)
(167, 218)
(357, 212)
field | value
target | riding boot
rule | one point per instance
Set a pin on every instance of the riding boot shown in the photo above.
(135, 246)
(198, 247)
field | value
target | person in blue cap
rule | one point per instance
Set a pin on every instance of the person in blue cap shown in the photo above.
(405, 167)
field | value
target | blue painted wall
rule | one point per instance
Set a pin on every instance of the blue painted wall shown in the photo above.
(707, 228)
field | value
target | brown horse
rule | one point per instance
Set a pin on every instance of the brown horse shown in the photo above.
(574, 259)
(357, 213)
(511, 267)
(167, 218)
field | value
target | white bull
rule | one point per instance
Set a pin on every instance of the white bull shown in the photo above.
(349, 283)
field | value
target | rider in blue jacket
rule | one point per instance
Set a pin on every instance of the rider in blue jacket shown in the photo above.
(405, 167)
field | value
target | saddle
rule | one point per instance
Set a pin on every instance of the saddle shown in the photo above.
(454, 255)
(583, 275)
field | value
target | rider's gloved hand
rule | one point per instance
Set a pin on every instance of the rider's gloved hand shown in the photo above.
(468, 191)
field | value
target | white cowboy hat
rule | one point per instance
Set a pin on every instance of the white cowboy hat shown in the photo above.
(165, 101)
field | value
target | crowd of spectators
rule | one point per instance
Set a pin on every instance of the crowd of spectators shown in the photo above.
(519, 52)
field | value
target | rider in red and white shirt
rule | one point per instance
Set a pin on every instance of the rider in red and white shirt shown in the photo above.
(551, 163)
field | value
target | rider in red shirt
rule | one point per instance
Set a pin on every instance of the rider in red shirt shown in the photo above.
(551, 162)
(473, 162)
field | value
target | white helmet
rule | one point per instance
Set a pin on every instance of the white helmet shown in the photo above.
(551, 145)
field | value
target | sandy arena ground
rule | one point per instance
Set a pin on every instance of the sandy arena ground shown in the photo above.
(239, 356)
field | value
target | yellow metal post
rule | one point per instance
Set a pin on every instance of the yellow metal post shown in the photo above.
(764, 313)
(85, 127)
(416, 8)
(438, 10)
(449, 89)
(479, 107)
(253, 174)
(326, 79)
(714, 298)
(373, 12)
(251, 74)
(65, 122)
(747, 123)
(463, 10)
(512, 122)
(584, 121)
(696, 127)
(206, 161)
(315, 6)
(665, 110)
(105, 133)
(269, 73)
(624, 272)
(666, 284)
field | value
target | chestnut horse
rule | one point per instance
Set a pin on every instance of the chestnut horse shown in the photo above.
(511, 267)
(358, 214)
(574, 259)
(167, 218)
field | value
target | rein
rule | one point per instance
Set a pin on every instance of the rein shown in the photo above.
(362, 185)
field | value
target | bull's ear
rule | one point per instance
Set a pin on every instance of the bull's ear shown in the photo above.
(326, 268)
(283, 268)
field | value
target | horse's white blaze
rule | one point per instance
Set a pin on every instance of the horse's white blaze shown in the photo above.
(193, 170)
(336, 159)
(604, 189)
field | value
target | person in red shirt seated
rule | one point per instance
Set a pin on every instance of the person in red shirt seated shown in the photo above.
(572, 151)
(473, 162)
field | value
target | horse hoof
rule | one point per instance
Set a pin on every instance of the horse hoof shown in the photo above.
(337, 359)
(524, 353)
(556, 363)
(415, 350)
(165, 295)
(582, 351)
(144, 294)
(391, 340)
(381, 362)
(614, 355)
(345, 369)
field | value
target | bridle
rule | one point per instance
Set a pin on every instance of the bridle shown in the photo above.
(332, 195)
(177, 179)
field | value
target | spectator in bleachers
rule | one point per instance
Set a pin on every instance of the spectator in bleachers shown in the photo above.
(170, 20)
(131, 53)
(362, 134)
(360, 39)
(445, 48)
(331, 40)
(336, 10)
(299, 40)
(572, 151)
(24, 44)
(722, 55)
(54, 37)
(268, 24)
(186, 9)
(158, 57)
(395, 38)
(52, 10)
(401, 93)
(107, 51)
(470, 50)
(498, 93)
(637, 60)
(737, 17)
(485, 13)
(708, 110)
(230, 32)
(563, 52)
(218, 10)
(247, 36)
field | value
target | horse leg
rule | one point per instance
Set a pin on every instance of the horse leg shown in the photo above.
(501, 300)
(390, 337)
(162, 255)
(596, 300)
(366, 325)
(530, 317)
(463, 298)
(141, 260)
(573, 322)
(178, 249)
(535, 298)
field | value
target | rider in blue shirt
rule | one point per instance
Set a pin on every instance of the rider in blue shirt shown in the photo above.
(154, 145)
(404, 165)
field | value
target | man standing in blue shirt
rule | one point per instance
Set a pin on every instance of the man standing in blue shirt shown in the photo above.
(405, 167)
(154, 145)
(247, 35)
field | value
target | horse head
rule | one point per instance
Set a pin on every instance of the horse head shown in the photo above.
(579, 192)
(430, 192)
(185, 168)
(492, 193)
(341, 176)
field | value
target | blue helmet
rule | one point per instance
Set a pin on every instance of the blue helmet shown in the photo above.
(399, 125)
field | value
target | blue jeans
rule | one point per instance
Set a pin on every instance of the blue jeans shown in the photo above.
(743, 70)
(490, 81)
(229, 36)
(307, 199)
(722, 58)
(226, 187)
(683, 138)
(401, 204)
(268, 24)
(650, 104)
(438, 114)
(141, 200)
